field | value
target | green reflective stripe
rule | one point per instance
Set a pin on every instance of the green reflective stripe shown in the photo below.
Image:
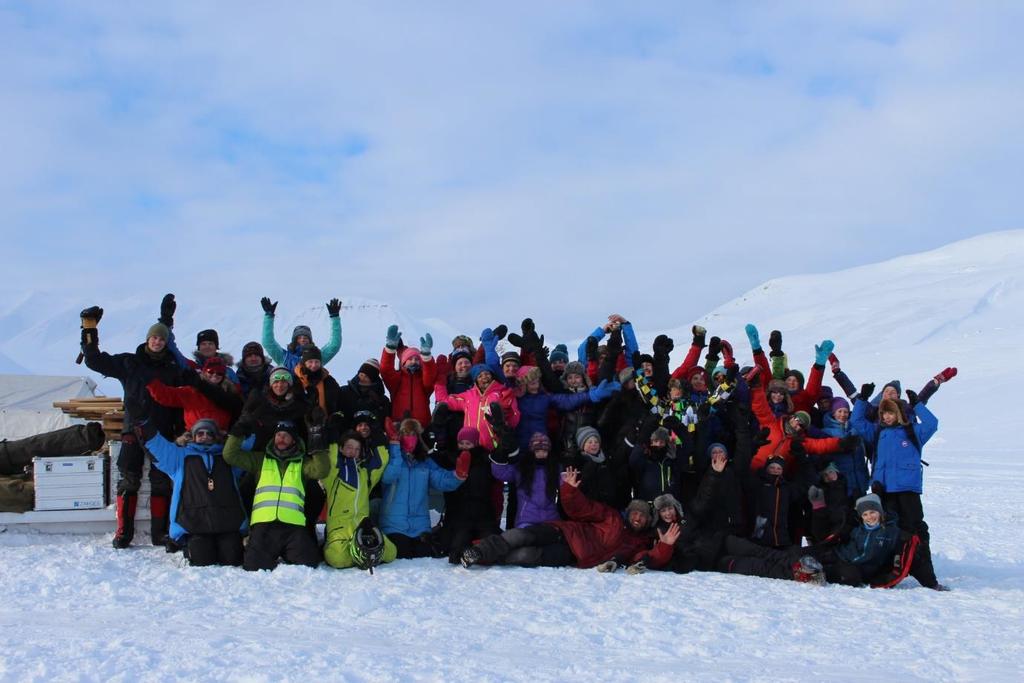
(282, 489)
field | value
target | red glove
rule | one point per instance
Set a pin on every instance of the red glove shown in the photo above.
(442, 368)
(462, 464)
(945, 375)
(389, 429)
(833, 361)
(727, 358)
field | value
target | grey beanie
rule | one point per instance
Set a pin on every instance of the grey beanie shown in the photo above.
(584, 433)
(302, 330)
(641, 506)
(205, 423)
(869, 502)
(661, 434)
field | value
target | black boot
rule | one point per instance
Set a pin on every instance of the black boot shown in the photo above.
(125, 510)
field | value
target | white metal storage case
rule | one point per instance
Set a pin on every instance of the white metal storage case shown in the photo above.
(70, 482)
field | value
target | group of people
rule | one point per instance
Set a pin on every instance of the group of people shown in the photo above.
(611, 459)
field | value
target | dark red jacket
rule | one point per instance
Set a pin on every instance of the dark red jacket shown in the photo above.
(597, 533)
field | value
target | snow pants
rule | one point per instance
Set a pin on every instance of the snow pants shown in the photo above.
(908, 506)
(538, 545)
(271, 541)
(746, 557)
(209, 549)
(130, 462)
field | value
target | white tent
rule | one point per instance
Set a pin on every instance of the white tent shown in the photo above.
(26, 403)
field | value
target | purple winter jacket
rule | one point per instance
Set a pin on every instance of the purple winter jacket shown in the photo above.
(533, 507)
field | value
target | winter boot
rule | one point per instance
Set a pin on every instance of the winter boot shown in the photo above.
(125, 510)
(158, 523)
(809, 570)
(471, 556)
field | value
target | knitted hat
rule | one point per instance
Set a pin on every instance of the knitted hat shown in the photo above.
(477, 369)
(207, 424)
(462, 341)
(528, 373)
(281, 374)
(825, 392)
(668, 500)
(660, 434)
(715, 445)
(409, 353)
(289, 427)
(540, 442)
(461, 352)
(837, 403)
(584, 433)
(869, 502)
(719, 370)
(640, 506)
(311, 352)
(208, 335)
(215, 366)
(646, 358)
(830, 467)
(511, 355)
(803, 417)
(252, 348)
(560, 353)
(574, 368)
(693, 372)
(371, 370)
(775, 459)
(302, 331)
(795, 373)
(158, 330)
(895, 384)
(469, 434)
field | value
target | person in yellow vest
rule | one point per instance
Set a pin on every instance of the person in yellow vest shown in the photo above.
(277, 527)
(355, 470)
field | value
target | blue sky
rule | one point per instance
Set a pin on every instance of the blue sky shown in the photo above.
(482, 163)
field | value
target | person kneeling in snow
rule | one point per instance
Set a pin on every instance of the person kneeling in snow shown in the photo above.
(278, 512)
(207, 516)
(594, 534)
(351, 478)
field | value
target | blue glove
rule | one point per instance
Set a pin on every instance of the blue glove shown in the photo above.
(604, 390)
(487, 335)
(392, 340)
(755, 339)
(426, 344)
(822, 352)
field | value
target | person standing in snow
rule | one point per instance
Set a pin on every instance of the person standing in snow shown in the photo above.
(150, 361)
(302, 336)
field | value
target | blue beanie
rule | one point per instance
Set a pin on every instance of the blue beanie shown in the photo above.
(560, 353)
(717, 445)
(475, 371)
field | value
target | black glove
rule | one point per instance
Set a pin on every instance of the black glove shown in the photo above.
(615, 342)
(500, 331)
(441, 413)
(93, 313)
(591, 348)
(316, 438)
(243, 427)
(636, 360)
(496, 418)
(796, 449)
(333, 308)
(698, 336)
(673, 424)
(89, 337)
(878, 488)
(866, 390)
(189, 377)
(663, 345)
(316, 417)
(703, 411)
(167, 308)
(848, 443)
(775, 343)
(268, 308)
(715, 347)
(529, 341)
(647, 427)
(731, 373)
(912, 398)
(761, 438)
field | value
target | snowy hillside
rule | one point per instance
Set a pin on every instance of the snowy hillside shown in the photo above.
(77, 610)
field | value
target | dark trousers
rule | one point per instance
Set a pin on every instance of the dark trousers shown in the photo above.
(130, 462)
(409, 548)
(314, 503)
(271, 541)
(538, 545)
(745, 557)
(209, 549)
(907, 505)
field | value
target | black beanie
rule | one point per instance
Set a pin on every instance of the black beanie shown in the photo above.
(311, 353)
(208, 335)
(370, 371)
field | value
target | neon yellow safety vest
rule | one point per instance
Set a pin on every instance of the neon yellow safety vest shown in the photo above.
(278, 500)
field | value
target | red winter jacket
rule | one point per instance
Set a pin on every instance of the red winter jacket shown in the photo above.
(778, 441)
(597, 533)
(806, 398)
(691, 360)
(408, 392)
(195, 405)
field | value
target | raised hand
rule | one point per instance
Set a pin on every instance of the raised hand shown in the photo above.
(718, 462)
(670, 535)
(426, 344)
(167, 308)
(334, 308)
(392, 338)
(268, 308)
(571, 476)
(753, 336)
(866, 390)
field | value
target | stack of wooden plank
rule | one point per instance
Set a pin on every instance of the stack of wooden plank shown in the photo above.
(109, 411)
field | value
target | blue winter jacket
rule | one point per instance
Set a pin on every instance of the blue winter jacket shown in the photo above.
(170, 459)
(871, 549)
(629, 343)
(533, 411)
(897, 460)
(853, 465)
(290, 358)
(405, 509)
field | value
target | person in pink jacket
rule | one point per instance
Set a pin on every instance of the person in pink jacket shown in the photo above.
(475, 403)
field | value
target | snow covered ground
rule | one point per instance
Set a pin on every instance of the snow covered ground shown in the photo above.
(74, 609)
